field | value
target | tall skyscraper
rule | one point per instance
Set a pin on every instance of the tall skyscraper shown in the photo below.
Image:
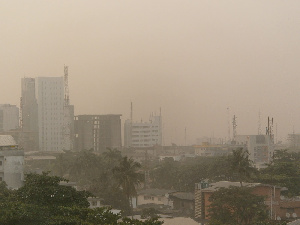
(29, 108)
(47, 118)
(50, 100)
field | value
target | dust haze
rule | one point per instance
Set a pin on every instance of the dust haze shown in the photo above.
(194, 59)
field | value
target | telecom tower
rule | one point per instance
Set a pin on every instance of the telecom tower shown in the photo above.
(234, 125)
(68, 129)
(269, 129)
(228, 117)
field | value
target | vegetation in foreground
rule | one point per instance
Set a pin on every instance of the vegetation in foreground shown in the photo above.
(43, 201)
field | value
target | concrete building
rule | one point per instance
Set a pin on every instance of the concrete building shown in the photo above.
(29, 117)
(294, 142)
(203, 192)
(50, 100)
(97, 132)
(143, 134)
(209, 150)
(46, 118)
(29, 107)
(68, 130)
(154, 196)
(260, 148)
(9, 117)
(11, 162)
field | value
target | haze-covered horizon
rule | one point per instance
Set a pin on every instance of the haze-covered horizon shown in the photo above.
(194, 59)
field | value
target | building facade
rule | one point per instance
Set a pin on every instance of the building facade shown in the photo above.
(260, 148)
(9, 117)
(28, 136)
(97, 132)
(50, 100)
(11, 162)
(143, 134)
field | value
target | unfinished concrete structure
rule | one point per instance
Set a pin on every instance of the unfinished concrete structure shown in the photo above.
(11, 162)
(29, 117)
(97, 132)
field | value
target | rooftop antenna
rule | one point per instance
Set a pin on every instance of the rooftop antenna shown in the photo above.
(66, 83)
(259, 123)
(228, 117)
(234, 125)
(131, 111)
(185, 136)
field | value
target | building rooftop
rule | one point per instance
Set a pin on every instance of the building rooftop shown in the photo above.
(155, 192)
(296, 222)
(226, 184)
(7, 140)
(183, 195)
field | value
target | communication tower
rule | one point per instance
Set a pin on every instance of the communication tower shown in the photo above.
(234, 125)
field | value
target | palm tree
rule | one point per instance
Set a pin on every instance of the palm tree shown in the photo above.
(241, 164)
(112, 155)
(128, 177)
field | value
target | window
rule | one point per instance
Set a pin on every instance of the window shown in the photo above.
(94, 203)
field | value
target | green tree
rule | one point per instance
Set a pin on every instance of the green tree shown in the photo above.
(46, 190)
(112, 155)
(236, 206)
(42, 201)
(241, 165)
(284, 171)
(128, 177)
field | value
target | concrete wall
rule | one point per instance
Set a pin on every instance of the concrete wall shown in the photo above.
(12, 168)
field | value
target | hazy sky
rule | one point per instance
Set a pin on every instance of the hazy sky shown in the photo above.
(192, 58)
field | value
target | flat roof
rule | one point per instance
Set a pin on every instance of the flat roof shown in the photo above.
(7, 140)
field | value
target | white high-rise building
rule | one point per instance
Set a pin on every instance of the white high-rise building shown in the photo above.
(143, 134)
(50, 100)
(9, 117)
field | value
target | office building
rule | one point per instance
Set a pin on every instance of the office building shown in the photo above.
(11, 162)
(143, 134)
(50, 100)
(97, 132)
(9, 117)
(28, 136)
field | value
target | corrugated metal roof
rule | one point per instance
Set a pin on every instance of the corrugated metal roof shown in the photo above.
(183, 195)
(296, 222)
(7, 140)
(155, 192)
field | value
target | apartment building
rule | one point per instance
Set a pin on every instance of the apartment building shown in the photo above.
(143, 134)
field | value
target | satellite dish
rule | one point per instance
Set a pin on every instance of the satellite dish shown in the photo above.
(287, 215)
(278, 218)
(294, 215)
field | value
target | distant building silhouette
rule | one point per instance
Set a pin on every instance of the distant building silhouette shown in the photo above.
(97, 132)
(143, 134)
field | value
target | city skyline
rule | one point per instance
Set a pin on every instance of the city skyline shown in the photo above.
(193, 59)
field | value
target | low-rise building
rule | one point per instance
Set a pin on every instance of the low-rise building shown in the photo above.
(154, 196)
(184, 202)
(208, 150)
(11, 162)
(204, 191)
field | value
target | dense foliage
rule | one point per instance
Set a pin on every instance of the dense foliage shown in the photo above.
(236, 206)
(43, 201)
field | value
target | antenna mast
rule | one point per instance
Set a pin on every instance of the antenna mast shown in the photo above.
(234, 125)
(66, 83)
(259, 123)
(228, 117)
